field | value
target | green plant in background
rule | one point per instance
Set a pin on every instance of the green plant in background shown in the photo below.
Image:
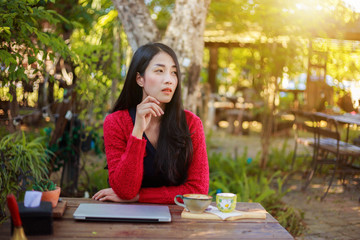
(44, 185)
(290, 218)
(21, 19)
(243, 177)
(94, 177)
(281, 158)
(22, 161)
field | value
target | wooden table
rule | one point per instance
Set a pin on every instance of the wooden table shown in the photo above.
(68, 228)
(347, 118)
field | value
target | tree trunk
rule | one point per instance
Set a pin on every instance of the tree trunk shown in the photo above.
(184, 35)
(40, 101)
(267, 126)
(271, 90)
(50, 96)
(117, 58)
(14, 106)
(138, 25)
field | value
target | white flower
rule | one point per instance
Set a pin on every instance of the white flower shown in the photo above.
(225, 203)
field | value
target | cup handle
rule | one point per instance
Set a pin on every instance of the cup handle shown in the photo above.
(177, 203)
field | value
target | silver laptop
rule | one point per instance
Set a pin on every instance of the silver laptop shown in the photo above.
(122, 212)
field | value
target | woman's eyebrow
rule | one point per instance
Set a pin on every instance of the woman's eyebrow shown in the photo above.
(159, 65)
(162, 65)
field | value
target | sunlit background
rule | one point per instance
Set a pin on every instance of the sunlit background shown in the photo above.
(353, 4)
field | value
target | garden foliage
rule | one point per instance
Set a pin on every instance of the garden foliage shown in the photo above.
(22, 161)
(23, 40)
(243, 177)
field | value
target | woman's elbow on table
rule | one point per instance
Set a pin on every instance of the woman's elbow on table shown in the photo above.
(127, 196)
(204, 189)
(200, 188)
(127, 193)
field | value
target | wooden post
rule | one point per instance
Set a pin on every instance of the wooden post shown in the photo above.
(213, 67)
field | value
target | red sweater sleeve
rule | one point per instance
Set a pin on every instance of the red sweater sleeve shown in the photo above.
(124, 154)
(198, 173)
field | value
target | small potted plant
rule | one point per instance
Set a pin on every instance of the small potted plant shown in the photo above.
(50, 192)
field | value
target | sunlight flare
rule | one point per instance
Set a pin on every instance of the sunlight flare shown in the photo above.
(353, 4)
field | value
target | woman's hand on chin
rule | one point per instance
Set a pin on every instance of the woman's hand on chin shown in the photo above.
(108, 194)
(148, 108)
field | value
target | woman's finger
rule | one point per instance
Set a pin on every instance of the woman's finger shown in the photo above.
(96, 194)
(146, 112)
(150, 99)
(153, 106)
(101, 194)
(103, 199)
(156, 109)
(112, 198)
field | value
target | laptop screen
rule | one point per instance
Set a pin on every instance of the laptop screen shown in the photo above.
(122, 212)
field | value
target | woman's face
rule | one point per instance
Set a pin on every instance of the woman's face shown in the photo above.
(159, 80)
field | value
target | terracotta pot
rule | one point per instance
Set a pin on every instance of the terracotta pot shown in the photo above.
(51, 196)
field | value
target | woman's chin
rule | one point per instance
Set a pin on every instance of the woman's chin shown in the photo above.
(164, 100)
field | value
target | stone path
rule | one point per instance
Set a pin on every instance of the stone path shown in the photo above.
(337, 217)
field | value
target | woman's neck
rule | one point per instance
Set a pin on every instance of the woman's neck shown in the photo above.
(155, 121)
(153, 130)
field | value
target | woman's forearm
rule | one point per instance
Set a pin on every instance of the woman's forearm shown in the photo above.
(124, 156)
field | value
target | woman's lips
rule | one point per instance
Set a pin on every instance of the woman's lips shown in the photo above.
(167, 90)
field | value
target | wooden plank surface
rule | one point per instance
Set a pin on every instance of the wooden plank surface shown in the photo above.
(59, 210)
(67, 228)
(345, 118)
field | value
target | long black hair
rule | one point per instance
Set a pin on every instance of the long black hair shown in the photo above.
(174, 148)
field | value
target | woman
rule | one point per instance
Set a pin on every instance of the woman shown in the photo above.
(155, 149)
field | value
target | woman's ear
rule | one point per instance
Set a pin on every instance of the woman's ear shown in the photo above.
(139, 80)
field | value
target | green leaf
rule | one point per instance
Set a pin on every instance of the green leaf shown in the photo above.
(31, 60)
(59, 16)
(6, 29)
(7, 57)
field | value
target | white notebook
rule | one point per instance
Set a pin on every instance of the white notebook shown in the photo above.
(122, 212)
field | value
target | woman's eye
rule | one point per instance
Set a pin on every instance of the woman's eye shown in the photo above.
(174, 72)
(158, 70)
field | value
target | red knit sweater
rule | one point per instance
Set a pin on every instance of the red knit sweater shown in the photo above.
(125, 155)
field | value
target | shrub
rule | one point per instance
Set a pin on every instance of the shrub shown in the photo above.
(94, 177)
(22, 161)
(243, 177)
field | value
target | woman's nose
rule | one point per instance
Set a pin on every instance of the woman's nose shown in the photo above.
(170, 79)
